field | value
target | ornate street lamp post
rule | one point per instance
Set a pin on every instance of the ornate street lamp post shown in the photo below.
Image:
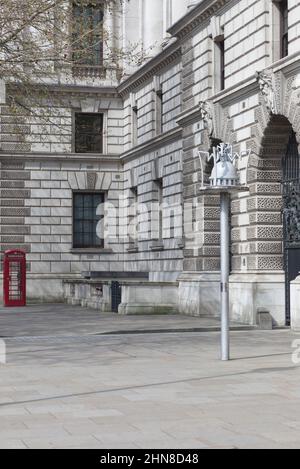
(224, 180)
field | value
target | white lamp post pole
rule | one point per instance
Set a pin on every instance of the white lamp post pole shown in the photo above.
(225, 341)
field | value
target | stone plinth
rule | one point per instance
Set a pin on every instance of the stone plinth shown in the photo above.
(250, 292)
(149, 298)
(199, 293)
(88, 293)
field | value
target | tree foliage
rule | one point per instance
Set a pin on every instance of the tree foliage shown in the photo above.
(48, 42)
(41, 40)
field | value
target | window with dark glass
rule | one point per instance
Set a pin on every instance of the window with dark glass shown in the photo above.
(88, 212)
(88, 33)
(134, 125)
(222, 64)
(284, 28)
(159, 111)
(159, 215)
(133, 224)
(219, 63)
(88, 133)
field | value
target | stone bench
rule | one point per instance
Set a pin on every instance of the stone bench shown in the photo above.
(88, 294)
(138, 297)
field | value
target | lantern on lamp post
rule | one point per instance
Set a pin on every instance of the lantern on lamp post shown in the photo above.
(224, 180)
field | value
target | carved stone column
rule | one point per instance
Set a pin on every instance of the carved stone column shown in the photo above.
(152, 26)
(179, 9)
(167, 17)
(110, 43)
(130, 32)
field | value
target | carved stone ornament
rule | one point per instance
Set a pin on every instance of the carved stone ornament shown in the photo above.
(292, 213)
(265, 80)
(206, 116)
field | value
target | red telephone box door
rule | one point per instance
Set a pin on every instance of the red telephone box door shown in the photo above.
(14, 278)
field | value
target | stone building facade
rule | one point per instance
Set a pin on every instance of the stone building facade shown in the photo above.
(217, 70)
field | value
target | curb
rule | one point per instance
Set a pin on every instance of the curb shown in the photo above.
(172, 331)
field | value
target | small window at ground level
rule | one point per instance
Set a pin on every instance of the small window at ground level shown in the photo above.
(88, 212)
(88, 133)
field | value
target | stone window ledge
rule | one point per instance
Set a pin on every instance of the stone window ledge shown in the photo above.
(180, 244)
(132, 249)
(91, 251)
(157, 246)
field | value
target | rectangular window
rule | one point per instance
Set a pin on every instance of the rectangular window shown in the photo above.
(158, 216)
(284, 27)
(88, 212)
(87, 40)
(219, 64)
(88, 133)
(222, 64)
(133, 223)
(158, 111)
(134, 125)
(280, 29)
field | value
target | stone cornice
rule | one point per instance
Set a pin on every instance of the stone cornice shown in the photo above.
(189, 117)
(110, 91)
(230, 94)
(147, 71)
(224, 98)
(288, 65)
(54, 157)
(193, 19)
(106, 91)
(152, 144)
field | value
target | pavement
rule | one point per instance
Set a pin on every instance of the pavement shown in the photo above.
(61, 319)
(73, 389)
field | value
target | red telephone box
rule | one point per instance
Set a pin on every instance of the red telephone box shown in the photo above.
(14, 278)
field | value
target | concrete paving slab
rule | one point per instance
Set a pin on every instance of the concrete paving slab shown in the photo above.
(62, 319)
(76, 390)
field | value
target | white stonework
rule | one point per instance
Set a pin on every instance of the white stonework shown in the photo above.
(2, 92)
(156, 119)
(149, 298)
(295, 304)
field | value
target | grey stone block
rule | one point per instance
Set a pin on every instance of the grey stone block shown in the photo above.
(15, 193)
(264, 319)
(18, 229)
